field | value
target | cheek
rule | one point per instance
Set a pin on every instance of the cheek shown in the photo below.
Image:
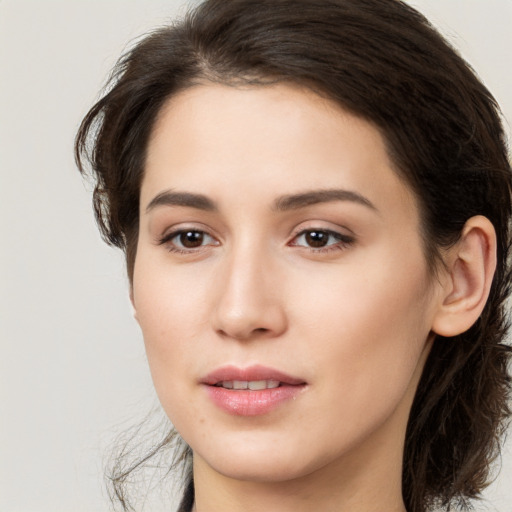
(168, 300)
(368, 334)
(169, 312)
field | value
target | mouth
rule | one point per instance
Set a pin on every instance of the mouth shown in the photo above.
(253, 385)
(251, 391)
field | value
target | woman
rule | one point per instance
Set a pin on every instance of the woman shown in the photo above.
(314, 201)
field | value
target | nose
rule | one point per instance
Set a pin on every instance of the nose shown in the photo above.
(250, 300)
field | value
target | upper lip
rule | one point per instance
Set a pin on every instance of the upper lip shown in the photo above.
(251, 373)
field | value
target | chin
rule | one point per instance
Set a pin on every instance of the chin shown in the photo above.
(271, 470)
(262, 461)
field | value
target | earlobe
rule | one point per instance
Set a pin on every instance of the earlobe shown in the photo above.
(471, 264)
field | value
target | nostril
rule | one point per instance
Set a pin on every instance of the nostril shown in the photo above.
(245, 334)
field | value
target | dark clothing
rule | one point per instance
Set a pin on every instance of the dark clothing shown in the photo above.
(188, 498)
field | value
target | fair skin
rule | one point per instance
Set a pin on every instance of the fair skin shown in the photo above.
(242, 262)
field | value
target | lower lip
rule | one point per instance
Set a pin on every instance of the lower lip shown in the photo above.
(252, 403)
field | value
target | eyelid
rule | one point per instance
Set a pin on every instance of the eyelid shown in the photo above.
(179, 227)
(321, 224)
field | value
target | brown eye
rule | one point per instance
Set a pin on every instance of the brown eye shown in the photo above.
(316, 238)
(187, 240)
(191, 239)
(322, 239)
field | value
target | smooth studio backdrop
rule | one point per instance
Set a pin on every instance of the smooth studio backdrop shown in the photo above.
(72, 366)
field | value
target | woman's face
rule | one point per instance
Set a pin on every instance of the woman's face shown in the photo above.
(280, 253)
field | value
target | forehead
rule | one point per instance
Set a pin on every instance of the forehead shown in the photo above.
(229, 141)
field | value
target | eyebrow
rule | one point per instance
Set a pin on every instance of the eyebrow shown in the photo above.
(283, 203)
(171, 198)
(308, 198)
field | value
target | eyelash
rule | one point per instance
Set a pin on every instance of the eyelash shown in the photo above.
(171, 247)
(342, 241)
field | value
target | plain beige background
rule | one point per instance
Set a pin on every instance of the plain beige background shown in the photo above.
(72, 366)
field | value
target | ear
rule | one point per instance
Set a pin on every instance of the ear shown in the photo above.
(470, 269)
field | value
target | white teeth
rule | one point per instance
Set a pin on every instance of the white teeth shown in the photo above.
(257, 384)
(254, 385)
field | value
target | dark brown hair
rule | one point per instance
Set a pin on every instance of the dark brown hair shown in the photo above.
(383, 61)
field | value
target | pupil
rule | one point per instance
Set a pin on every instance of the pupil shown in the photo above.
(191, 239)
(317, 238)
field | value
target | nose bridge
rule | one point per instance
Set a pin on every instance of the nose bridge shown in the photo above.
(249, 302)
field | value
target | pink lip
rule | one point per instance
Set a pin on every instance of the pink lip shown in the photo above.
(247, 402)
